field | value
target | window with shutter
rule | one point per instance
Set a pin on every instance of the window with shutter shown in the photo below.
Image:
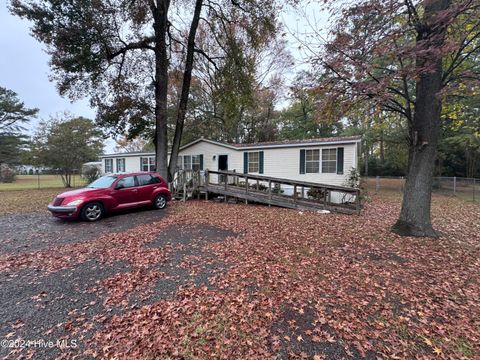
(329, 161)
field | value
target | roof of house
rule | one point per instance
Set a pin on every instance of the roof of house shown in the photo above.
(260, 145)
(302, 142)
(279, 144)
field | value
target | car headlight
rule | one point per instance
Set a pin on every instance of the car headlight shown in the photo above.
(75, 202)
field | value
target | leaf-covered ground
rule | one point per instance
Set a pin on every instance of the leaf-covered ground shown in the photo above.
(21, 201)
(241, 281)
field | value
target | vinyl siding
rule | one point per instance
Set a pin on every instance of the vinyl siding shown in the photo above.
(278, 162)
(285, 163)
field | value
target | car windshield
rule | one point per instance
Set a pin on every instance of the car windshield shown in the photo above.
(103, 182)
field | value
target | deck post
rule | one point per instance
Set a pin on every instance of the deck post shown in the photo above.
(324, 197)
(207, 177)
(184, 192)
(303, 192)
(226, 182)
(295, 193)
(474, 180)
(246, 184)
(269, 192)
(357, 201)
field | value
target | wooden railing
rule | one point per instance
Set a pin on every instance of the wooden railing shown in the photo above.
(271, 190)
(186, 181)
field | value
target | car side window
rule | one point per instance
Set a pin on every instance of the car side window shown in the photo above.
(126, 182)
(147, 179)
(144, 179)
(155, 180)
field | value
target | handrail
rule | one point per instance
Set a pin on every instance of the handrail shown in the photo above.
(286, 181)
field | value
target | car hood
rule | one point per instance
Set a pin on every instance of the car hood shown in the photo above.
(80, 192)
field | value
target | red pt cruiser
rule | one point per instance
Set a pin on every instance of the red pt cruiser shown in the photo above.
(111, 193)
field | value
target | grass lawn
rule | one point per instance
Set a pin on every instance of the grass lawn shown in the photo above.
(281, 284)
(25, 182)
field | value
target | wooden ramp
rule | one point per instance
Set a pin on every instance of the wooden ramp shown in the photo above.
(280, 192)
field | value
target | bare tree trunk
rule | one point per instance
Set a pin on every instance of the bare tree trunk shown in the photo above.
(160, 13)
(415, 219)
(187, 78)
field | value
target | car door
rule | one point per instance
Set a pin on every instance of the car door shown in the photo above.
(146, 185)
(126, 192)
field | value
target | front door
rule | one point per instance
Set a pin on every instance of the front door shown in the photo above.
(222, 162)
(222, 166)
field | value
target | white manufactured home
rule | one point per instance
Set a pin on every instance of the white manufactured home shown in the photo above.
(324, 161)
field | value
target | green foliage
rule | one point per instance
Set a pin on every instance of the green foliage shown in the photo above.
(277, 189)
(353, 179)
(7, 175)
(12, 148)
(316, 193)
(459, 149)
(91, 173)
(301, 119)
(65, 144)
(260, 187)
(13, 112)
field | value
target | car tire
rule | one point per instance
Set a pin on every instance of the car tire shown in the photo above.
(92, 212)
(160, 201)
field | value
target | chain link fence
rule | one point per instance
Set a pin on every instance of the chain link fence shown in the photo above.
(43, 180)
(464, 188)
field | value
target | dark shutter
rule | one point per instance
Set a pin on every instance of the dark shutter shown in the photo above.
(141, 163)
(201, 161)
(260, 162)
(245, 162)
(302, 161)
(340, 160)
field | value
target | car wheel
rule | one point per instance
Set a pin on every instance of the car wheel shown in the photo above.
(160, 201)
(92, 212)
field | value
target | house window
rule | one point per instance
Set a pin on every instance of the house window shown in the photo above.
(153, 164)
(196, 162)
(121, 165)
(253, 162)
(192, 162)
(108, 166)
(179, 163)
(147, 163)
(312, 161)
(329, 161)
(187, 162)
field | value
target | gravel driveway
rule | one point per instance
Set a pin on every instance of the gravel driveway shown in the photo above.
(39, 306)
(35, 231)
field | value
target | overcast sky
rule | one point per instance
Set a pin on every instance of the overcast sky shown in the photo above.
(24, 65)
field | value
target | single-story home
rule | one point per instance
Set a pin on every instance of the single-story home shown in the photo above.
(324, 160)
